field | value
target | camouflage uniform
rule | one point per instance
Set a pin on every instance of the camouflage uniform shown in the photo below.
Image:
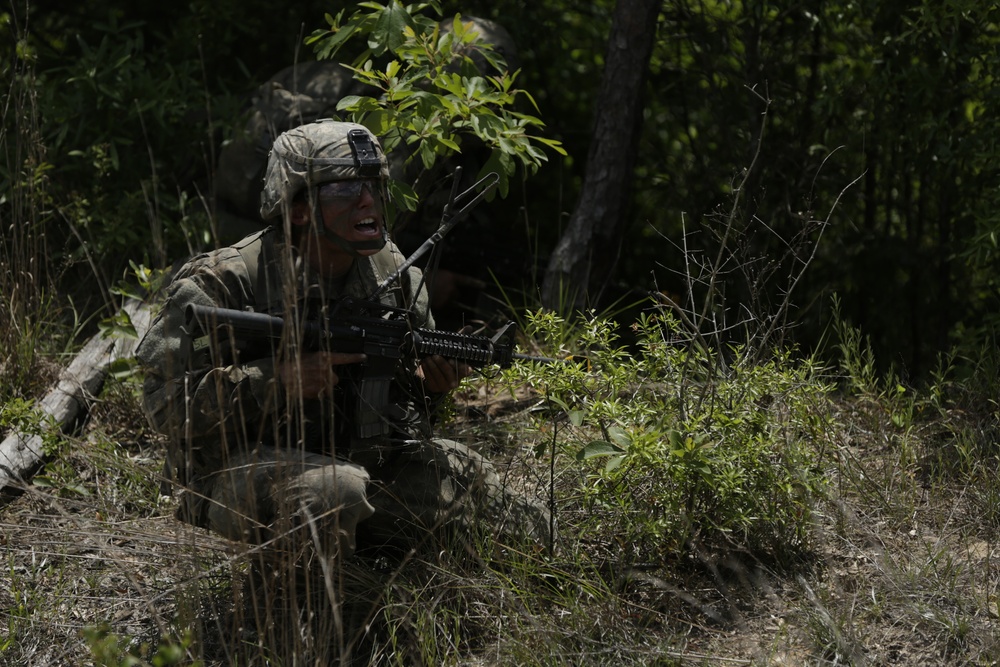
(260, 467)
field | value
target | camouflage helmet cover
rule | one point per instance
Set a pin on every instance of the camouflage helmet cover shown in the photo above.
(315, 153)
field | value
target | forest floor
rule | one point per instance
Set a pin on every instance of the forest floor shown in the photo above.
(903, 571)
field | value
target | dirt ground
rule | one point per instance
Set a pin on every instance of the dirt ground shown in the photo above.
(903, 572)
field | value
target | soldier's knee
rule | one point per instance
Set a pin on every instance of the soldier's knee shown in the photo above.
(334, 499)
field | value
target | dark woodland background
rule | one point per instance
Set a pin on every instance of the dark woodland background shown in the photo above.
(861, 136)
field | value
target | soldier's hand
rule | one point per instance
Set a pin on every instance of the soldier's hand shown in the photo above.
(440, 374)
(313, 373)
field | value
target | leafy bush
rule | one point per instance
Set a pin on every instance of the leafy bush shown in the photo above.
(112, 650)
(432, 94)
(92, 139)
(686, 446)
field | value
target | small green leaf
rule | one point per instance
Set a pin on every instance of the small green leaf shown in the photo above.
(620, 436)
(358, 103)
(388, 33)
(559, 403)
(120, 369)
(427, 156)
(42, 481)
(402, 195)
(118, 326)
(614, 462)
(598, 448)
(380, 123)
(450, 144)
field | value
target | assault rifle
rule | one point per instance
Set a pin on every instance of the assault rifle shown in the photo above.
(383, 333)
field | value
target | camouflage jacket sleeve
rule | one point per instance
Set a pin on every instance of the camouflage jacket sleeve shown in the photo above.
(184, 395)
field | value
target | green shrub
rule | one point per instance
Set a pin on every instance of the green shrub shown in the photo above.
(432, 97)
(683, 445)
(111, 650)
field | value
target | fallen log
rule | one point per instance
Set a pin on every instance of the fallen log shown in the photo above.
(78, 386)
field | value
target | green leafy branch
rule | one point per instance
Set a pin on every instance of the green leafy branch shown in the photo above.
(433, 95)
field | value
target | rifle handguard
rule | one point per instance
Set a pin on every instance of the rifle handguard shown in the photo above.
(474, 350)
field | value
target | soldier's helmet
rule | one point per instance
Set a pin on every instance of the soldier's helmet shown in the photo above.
(307, 156)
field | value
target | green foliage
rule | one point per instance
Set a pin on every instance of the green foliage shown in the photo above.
(107, 115)
(682, 446)
(26, 340)
(433, 95)
(122, 108)
(872, 68)
(112, 650)
(91, 114)
(18, 414)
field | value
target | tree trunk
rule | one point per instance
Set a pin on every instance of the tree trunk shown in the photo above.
(588, 247)
(79, 384)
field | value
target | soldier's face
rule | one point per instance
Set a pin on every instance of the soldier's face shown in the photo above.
(353, 211)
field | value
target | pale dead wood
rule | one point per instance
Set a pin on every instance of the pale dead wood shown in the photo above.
(79, 384)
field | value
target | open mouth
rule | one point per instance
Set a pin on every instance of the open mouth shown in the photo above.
(368, 226)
